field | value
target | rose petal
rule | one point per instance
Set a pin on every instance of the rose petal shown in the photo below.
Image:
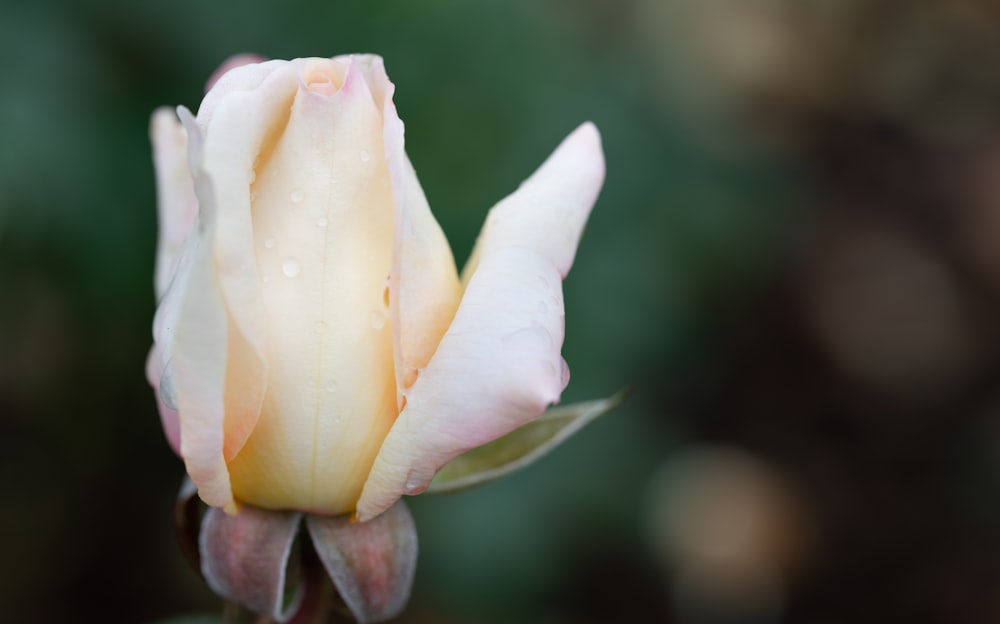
(245, 557)
(548, 212)
(237, 60)
(323, 228)
(176, 201)
(168, 416)
(371, 564)
(498, 366)
(424, 289)
(236, 128)
(241, 78)
(194, 302)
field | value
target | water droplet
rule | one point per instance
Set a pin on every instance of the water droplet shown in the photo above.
(269, 243)
(290, 267)
(564, 373)
(377, 319)
(296, 196)
(365, 156)
(266, 279)
(529, 339)
(321, 222)
(319, 327)
(168, 392)
(274, 172)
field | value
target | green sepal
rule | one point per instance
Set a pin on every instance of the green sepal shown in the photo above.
(521, 446)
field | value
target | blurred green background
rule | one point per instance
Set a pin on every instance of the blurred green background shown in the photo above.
(794, 261)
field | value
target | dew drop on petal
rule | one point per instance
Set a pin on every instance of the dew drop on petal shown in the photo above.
(365, 156)
(414, 486)
(269, 243)
(290, 267)
(377, 319)
(266, 279)
(321, 222)
(296, 196)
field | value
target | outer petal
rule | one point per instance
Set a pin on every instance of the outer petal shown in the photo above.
(217, 361)
(498, 366)
(175, 196)
(168, 415)
(199, 365)
(210, 317)
(231, 63)
(424, 290)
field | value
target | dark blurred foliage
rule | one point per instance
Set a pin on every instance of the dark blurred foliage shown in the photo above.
(795, 262)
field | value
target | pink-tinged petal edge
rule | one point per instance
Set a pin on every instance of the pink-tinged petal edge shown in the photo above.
(499, 365)
(168, 416)
(237, 60)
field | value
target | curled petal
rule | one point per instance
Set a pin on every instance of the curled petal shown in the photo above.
(231, 63)
(190, 334)
(178, 206)
(199, 345)
(246, 77)
(498, 366)
(245, 557)
(424, 288)
(548, 212)
(370, 563)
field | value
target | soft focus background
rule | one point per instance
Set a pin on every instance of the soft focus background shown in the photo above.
(795, 261)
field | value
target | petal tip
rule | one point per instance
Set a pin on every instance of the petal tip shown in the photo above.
(586, 140)
(237, 60)
(163, 118)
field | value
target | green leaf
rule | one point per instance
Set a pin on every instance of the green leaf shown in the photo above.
(519, 447)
